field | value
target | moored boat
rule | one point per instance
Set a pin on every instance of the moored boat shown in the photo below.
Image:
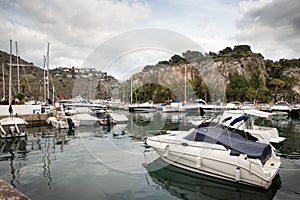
(219, 153)
(143, 107)
(11, 127)
(262, 133)
(281, 106)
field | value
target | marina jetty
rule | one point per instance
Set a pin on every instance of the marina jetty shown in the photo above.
(10, 193)
(31, 113)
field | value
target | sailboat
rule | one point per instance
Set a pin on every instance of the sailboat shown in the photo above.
(11, 126)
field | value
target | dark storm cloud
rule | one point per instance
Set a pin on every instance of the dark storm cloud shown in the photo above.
(272, 26)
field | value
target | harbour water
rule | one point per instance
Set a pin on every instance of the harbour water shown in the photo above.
(114, 163)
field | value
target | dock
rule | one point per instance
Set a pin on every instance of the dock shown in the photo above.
(7, 192)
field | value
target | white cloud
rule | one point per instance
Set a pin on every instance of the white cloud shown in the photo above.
(72, 28)
(138, 48)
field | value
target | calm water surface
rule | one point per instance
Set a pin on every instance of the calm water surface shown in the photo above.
(113, 163)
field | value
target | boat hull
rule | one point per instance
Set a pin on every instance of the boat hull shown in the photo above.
(12, 127)
(215, 161)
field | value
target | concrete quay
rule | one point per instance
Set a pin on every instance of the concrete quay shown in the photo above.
(7, 192)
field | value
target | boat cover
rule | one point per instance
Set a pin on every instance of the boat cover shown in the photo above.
(230, 140)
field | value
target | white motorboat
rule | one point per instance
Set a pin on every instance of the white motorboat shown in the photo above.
(219, 153)
(85, 119)
(194, 107)
(169, 108)
(117, 117)
(13, 127)
(262, 133)
(59, 120)
(143, 107)
(62, 122)
(281, 106)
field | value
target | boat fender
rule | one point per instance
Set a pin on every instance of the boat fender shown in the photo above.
(167, 150)
(237, 174)
(198, 162)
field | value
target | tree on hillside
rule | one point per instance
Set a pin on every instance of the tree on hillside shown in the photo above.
(227, 50)
(193, 56)
(200, 88)
(263, 95)
(177, 60)
(255, 81)
(289, 83)
(278, 83)
(237, 87)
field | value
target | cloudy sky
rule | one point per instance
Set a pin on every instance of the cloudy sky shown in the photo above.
(123, 35)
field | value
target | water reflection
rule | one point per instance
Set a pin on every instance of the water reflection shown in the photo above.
(14, 151)
(142, 119)
(290, 147)
(188, 185)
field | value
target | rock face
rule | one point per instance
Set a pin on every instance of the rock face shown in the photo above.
(215, 75)
(294, 72)
(243, 66)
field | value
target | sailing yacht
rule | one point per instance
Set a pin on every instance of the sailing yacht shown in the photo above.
(11, 126)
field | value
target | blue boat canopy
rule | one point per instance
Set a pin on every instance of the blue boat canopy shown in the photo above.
(233, 141)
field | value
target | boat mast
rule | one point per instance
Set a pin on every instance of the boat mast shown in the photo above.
(48, 82)
(3, 78)
(131, 89)
(18, 68)
(44, 66)
(9, 80)
(53, 92)
(185, 84)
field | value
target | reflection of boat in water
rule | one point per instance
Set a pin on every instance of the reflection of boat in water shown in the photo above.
(281, 121)
(8, 147)
(187, 185)
(173, 117)
(142, 119)
(13, 151)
